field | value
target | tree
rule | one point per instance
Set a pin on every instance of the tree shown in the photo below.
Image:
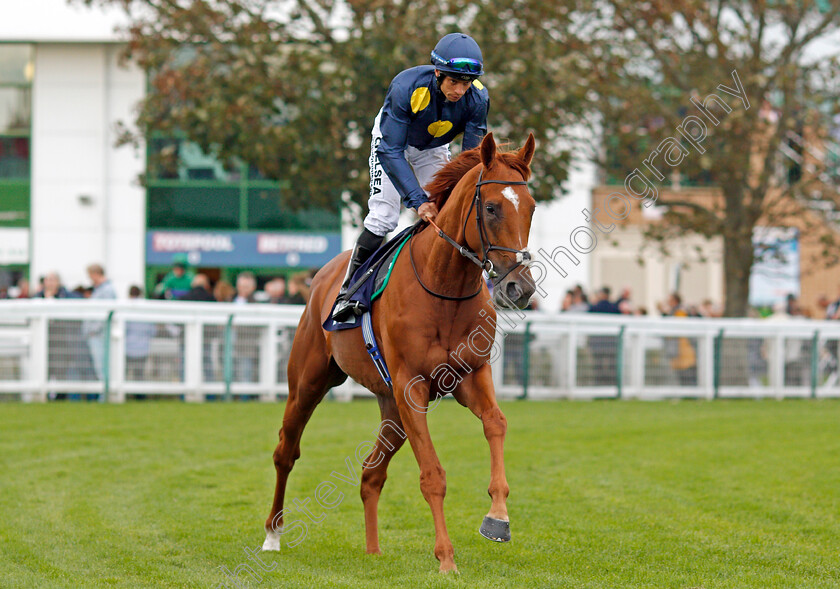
(292, 87)
(648, 59)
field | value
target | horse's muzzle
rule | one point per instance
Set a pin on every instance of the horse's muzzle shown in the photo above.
(516, 290)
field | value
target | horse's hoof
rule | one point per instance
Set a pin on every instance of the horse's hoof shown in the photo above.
(272, 540)
(446, 569)
(495, 529)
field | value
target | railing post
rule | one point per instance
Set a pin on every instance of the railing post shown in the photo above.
(268, 363)
(526, 361)
(193, 360)
(106, 358)
(717, 360)
(619, 361)
(38, 370)
(571, 374)
(228, 357)
(814, 364)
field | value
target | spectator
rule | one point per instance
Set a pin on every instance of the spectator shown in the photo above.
(176, 283)
(797, 352)
(246, 285)
(673, 307)
(823, 304)
(94, 331)
(602, 302)
(64, 336)
(213, 334)
(276, 291)
(246, 337)
(138, 342)
(21, 291)
(604, 348)
(624, 305)
(580, 302)
(832, 362)
(680, 351)
(52, 288)
(708, 309)
(199, 290)
(832, 312)
(298, 290)
(224, 291)
(566, 303)
(794, 309)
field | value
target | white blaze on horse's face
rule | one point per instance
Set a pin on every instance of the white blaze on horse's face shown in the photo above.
(509, 194)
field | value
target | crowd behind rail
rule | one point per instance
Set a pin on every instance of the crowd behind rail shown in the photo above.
(182, 284)
(153, 350)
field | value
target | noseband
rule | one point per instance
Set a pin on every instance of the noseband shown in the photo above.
(522, 256)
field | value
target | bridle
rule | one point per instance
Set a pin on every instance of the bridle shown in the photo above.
(522, 256)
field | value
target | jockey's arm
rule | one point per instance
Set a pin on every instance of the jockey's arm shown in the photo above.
(394, 125)
(476, 127)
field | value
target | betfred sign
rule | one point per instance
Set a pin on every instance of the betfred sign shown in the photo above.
(268, 243)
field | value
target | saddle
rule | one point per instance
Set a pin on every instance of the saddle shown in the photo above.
(372, 277)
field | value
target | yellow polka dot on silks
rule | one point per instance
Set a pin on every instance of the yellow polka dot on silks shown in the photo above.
(478, 84)
(420, 99)
(440, 128)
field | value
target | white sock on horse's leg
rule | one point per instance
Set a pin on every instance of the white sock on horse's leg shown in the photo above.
(272, 540)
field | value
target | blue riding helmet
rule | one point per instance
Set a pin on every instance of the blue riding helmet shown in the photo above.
(459, 56)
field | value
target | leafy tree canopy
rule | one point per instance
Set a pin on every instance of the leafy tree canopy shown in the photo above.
(292, 87)
(647, 60)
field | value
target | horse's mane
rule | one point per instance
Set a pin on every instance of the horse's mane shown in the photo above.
(447, 177)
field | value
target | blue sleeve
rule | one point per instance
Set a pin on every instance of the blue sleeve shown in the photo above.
(393, 124)
(476, 127)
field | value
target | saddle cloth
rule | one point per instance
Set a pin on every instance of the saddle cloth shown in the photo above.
(373, 275)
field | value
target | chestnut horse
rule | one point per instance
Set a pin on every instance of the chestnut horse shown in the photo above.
(426, 323)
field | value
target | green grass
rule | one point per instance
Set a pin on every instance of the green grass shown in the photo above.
(728, 494)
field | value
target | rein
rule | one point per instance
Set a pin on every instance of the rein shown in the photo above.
(484, 262)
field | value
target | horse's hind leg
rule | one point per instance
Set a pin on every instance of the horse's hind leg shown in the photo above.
(388, 442)
(311, 374)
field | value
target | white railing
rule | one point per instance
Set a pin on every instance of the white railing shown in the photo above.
(112, 349)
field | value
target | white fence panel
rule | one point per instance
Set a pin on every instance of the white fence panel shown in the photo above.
(113, 350)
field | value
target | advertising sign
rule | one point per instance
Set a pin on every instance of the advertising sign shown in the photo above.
(277, 249)
(775, 272)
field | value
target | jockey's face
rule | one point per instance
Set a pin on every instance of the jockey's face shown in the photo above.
(453, 89)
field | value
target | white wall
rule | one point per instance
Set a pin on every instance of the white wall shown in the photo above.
(79, 93)
(615, 263)
(552, 226)
(58, 20)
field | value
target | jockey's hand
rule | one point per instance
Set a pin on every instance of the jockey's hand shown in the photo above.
(427, 211)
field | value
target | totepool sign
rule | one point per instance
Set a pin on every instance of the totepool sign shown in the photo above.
(232, 248)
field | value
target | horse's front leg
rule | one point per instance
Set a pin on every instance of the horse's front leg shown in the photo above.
(477, 393)
(412, 396)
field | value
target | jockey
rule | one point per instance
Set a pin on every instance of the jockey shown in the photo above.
(425, 108)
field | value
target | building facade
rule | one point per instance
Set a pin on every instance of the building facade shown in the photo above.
(69, 197)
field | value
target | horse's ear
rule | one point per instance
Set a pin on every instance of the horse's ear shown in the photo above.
(488, 150)
(526, 154)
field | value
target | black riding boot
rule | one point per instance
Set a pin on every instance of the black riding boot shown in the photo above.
(367, 243)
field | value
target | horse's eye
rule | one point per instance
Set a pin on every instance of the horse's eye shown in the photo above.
(491, 209)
